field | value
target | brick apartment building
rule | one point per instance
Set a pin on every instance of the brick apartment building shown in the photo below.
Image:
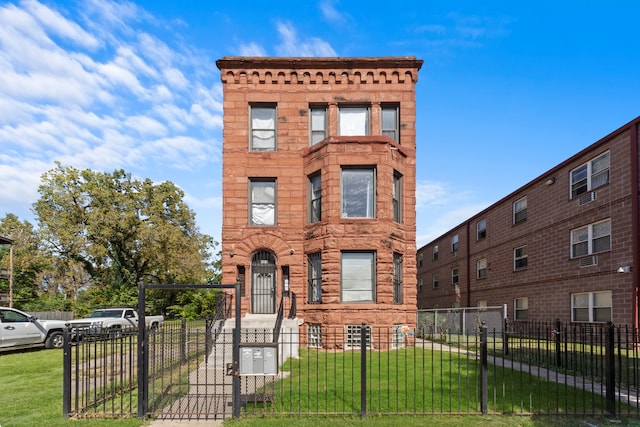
(565, 245)
(319, 162)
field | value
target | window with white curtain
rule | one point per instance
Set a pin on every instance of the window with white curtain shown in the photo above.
(358, 193)
(262, 201)
(590, 175)
(358, 276)
(263, 128)
(354, 120)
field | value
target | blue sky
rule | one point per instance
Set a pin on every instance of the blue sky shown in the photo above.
(508, 89)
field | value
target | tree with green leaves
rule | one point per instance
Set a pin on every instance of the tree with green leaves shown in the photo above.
(30, 262)
(110, 231)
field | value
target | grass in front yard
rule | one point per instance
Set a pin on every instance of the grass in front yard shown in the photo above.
(31, 390)
(413, 380)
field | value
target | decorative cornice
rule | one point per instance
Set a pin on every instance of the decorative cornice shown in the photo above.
(279, 70)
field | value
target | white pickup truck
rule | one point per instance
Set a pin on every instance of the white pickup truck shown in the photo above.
(19, 329)
(114, 319)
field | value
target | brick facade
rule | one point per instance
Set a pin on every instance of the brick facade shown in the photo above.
(553, 274)
(292, 86)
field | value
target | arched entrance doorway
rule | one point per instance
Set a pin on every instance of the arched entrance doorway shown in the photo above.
(263, 282)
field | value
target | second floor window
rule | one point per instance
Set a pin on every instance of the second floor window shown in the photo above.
(454, 276)
(591, 239)
(354, 120)
(358, 193)
(317, 124)
(315, 198)
(520, 258)
(435, 281)
(482, 268)
(590, 175)
(263, 128)
(390, 122)
(262, 201)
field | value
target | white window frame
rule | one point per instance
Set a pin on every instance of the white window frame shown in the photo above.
(317, 123)
(521, 308)
(482, 268)
(358, 276)
(260, 127)
(351, 207)
(455, 276)
(588, 235)
(354, 120)
(591, 305)
(590, 175)
(259, 209)
(390, 121)
(454, 243)
(520, 210)
(520, 255)
(435, 252)
(481, 229)
(315, 197)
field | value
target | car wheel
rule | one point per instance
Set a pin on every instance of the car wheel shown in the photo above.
(54, 340)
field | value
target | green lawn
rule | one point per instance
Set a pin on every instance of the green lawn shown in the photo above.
(31, 390)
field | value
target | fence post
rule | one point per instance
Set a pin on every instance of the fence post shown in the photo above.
(363, 371)
(183, 341)
(484, 378)
(66, 376)
(505, 337)
(558, 339)
(610, 369)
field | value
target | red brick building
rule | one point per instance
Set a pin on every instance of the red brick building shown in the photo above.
(319, 161)
(565, 245)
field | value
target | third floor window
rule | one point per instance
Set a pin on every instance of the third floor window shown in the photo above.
(317, 124)
(390, 122)
(354, 120)
(590, 175)
(263, 128)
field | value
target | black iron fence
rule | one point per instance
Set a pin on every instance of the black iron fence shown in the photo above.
(525, 367)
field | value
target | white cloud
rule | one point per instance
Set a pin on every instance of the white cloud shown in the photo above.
(292, 46)
(251, 49)
(92, 86)
(330, 13)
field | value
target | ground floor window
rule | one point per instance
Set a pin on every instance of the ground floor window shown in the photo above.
(358, 276)
(591, 306)
(521, 308)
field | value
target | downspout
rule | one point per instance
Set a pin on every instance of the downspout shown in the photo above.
(635, 223)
